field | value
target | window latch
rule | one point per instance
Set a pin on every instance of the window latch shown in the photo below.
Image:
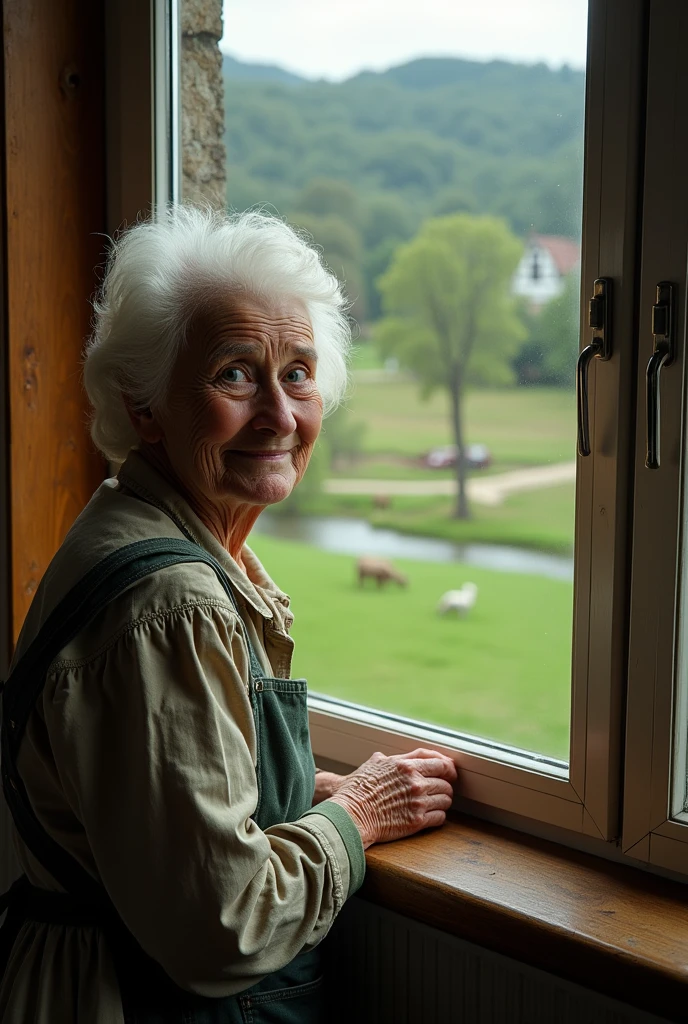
(600, 347)
(663, 355)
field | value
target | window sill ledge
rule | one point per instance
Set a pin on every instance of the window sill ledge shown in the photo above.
(609, 927)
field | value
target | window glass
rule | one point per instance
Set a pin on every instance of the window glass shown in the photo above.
(435, 153)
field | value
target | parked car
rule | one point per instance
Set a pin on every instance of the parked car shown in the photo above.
(477, 457)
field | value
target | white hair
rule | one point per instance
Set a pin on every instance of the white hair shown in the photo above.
(160, 272)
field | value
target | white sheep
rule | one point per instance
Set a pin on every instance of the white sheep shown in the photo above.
(459, 601)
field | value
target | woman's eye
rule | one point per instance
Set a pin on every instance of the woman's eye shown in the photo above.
(297, 376)
(233, 375)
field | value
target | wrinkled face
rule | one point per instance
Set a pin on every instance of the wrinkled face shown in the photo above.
(243, 411)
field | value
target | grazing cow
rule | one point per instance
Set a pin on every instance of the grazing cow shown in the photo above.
(380, 570)
(458, 601)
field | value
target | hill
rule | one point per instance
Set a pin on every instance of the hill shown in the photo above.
(239, 71)
(361, 163)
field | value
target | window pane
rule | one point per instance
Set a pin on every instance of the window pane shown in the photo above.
(429, 550)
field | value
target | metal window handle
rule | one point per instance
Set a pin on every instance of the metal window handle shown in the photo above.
(663, 355)
(600, 347)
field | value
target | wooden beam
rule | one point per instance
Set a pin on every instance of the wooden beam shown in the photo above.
(55, 208)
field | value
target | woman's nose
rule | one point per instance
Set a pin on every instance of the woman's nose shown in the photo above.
(275, 415)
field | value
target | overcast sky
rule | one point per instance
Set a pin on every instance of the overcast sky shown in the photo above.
(336, 38)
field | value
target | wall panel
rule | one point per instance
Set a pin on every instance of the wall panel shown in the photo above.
(400, 972)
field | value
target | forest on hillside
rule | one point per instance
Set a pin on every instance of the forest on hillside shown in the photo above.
(362, 164)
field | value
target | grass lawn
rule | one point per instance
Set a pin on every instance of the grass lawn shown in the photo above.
(542, 520)
(503, 672)
(388, 467)
(520, 426)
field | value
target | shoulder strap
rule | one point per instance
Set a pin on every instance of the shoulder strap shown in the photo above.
(102, 584)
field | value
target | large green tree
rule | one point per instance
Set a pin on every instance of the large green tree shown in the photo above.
(449, 313)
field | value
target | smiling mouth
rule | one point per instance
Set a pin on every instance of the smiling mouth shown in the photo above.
(260, 456)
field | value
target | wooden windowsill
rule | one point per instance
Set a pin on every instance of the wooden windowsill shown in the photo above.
(612, 928)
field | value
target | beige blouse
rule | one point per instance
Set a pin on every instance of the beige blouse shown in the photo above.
(139, 759)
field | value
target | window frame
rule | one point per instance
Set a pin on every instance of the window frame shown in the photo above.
(588, 800)
(166, 38)
(651, 832)
(143, 140)
(129, 140)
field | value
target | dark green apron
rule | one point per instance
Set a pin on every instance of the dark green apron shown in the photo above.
(286, 780)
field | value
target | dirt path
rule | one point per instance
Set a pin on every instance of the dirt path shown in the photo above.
(490, 490)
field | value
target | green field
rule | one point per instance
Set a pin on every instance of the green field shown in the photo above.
(502, 672)
(540, 520)
(520, 426)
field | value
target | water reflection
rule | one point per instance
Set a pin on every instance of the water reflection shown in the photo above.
(357, 537)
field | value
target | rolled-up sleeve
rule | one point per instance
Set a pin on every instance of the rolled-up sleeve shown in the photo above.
(154, 743)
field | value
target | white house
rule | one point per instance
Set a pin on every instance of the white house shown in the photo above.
(546, 261)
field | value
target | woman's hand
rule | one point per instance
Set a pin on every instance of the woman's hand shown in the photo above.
(392, 797)
(326, 785)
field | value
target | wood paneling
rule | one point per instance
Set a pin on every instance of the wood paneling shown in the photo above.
(614, 929)
(55, 208)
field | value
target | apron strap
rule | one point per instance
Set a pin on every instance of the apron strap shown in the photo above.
(90, 595)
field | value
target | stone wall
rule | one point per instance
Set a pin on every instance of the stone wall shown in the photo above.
(202, 102)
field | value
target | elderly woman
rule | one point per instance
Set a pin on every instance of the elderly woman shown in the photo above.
(182, 858)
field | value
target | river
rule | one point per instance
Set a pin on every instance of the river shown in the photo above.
(357, 537)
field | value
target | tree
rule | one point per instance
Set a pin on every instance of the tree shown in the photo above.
(327, 197)
(387, 222)
(558, 332)
(452, 200)
(550, 352)
(449, 313)
(341, 245)
(410, 160)
(386, 216)
(375, 263)
(343, 436)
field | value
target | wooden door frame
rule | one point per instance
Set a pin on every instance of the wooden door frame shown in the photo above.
(52, 218)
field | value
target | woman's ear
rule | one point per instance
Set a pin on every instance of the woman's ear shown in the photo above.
(144, 422)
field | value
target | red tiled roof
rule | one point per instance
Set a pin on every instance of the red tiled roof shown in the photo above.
(564, 251)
